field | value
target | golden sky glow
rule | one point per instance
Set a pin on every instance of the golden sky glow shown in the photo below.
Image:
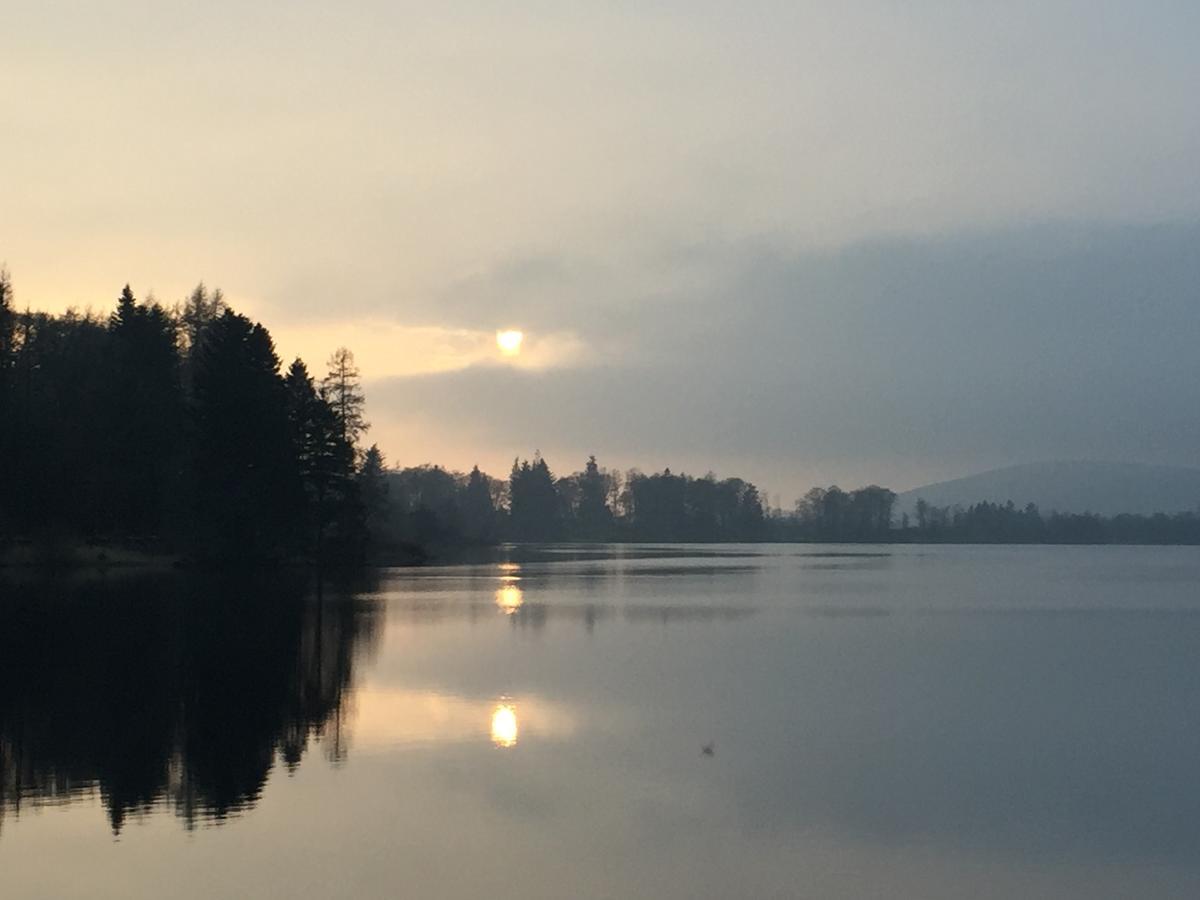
(655, 193)
(384, 349)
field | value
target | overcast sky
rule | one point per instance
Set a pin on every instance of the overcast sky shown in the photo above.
(799, 242)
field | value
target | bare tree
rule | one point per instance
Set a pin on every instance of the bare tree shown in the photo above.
(344, 392)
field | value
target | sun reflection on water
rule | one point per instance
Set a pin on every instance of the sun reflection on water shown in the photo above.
(509, 599)
(504, 725)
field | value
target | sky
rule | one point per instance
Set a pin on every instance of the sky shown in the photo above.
(798, 242)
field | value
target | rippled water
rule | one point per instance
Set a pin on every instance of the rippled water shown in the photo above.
(675, 722)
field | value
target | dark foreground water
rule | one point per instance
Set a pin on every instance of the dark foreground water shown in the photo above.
(879, 722)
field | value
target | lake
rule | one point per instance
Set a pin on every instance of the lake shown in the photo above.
(612, 721)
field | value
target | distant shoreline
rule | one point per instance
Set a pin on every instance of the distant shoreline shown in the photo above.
(97, 558)
(106, 556)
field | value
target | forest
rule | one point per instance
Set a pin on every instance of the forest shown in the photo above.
(430, 506)
(175, 431)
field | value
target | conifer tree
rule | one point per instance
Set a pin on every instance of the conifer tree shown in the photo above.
(247, 483)
(145, 410)
(595, 518)
(479, 514)
(373, 491)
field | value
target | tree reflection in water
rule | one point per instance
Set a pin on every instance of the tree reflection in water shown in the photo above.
(170, 691)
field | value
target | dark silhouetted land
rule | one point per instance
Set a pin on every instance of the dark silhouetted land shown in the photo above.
(160, 434)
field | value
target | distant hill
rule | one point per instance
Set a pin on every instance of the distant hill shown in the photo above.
(1098, 487)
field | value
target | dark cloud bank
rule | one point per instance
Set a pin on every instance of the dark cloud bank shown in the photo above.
(889, 361)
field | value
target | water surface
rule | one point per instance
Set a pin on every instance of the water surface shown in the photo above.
(674, 722)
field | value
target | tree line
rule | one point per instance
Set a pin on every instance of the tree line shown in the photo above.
(431, 505)
(174, 429)
(868, 515)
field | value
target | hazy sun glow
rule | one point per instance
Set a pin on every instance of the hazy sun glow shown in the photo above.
(504, 725)
(509, 341)
(509, 599)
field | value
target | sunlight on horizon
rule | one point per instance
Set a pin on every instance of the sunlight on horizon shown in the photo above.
(386, 349)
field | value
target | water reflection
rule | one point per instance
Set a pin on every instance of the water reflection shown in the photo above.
(504, 725)
(396, 718)
(164, 692)
(919, 735)
(509, 599)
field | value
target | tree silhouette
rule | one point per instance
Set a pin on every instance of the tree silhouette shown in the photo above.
(248, 486)
(373, 491)
(534, 505)
(174, 430)
(8, 423)
(157, 689)
(342, 387)
(146, 413)
(594, 515)
(194, 316)
(478, 511)
(324, 460)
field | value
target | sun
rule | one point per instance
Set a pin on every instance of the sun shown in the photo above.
(509, 341)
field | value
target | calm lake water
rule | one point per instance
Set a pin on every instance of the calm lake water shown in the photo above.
(879, 722)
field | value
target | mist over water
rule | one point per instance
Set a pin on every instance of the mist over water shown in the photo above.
(748, 720)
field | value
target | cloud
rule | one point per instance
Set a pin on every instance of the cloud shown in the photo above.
(882, 361)
(790, 239)
(385, 349)
(379, 159)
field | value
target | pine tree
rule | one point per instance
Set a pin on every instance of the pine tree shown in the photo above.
(373, 491)
(145, 409)
(479, 514)
(247, 483)
(534, 511)
(325, 463)
(595, 518)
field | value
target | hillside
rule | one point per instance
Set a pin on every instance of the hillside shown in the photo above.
(1076, 486)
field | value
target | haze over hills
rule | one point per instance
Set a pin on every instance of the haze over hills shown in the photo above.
(1070, 486)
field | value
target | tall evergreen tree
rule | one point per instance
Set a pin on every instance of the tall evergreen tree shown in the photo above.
(478, 512)
(246, 478)
(335, 518)
(534, 508)
(146, 409)
(595, 517)
(373, 491)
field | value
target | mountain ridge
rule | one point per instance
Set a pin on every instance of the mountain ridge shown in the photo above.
(1069, 486)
